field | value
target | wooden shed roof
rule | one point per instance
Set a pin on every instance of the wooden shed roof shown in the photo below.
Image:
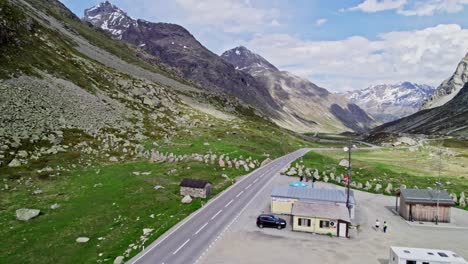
(426, 196)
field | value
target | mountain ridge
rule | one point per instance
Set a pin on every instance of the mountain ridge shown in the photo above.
(449, 88)
(388, 102)
(298, 96)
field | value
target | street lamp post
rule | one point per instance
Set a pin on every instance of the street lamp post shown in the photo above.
(348, 149)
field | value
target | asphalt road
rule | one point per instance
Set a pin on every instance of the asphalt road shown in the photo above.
(188, 241)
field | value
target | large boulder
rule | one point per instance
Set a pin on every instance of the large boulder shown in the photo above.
(389, 188)
(265, 162)
(25, 214)
(344, 163)
(221, 163)
(82, 239)
(119, 260)
(454, 197)
(462, 201)
(187, 199)
(14, 163)
(378, 187)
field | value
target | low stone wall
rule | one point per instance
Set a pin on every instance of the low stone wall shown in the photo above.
(193, 192)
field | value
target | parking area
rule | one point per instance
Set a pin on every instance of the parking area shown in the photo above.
(246, 243)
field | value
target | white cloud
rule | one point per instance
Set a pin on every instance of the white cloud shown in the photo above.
(427, 56)
(407, 8)
(320, 22)
(429, 7)
(231, 16)
(371, 6)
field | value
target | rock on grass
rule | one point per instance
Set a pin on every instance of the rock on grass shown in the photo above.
(25, 214)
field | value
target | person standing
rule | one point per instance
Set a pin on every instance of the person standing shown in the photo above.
(385, 227)
(377, 224)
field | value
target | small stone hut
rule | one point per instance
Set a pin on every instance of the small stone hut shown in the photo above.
(195, 188)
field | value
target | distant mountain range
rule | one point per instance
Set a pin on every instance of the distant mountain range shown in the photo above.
(443, 115)
(450, 87)
(250, 78)
(298, 97)
(388, 102)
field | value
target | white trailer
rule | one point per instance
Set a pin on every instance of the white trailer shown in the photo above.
(404, 255)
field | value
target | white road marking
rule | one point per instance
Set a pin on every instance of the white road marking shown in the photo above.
(239, 194)
(214, 216)
(256, 180)
(229, 203)
(248, 186)
(198, 231)
(181, 246)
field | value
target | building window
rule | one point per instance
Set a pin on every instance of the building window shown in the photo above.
(324, 224)
(411, 262)
(304, 222)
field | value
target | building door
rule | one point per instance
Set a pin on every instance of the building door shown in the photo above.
(342, 229)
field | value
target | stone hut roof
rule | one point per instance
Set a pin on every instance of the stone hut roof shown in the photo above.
(193, 183)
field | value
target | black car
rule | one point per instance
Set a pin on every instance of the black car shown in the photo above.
(269, 220)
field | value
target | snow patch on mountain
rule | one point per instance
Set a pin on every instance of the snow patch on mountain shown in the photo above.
(387, 102)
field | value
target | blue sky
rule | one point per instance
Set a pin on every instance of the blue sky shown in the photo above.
(340, 45)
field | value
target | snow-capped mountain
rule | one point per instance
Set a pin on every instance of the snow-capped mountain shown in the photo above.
(387, 102)
(450, 87)
(110, 18)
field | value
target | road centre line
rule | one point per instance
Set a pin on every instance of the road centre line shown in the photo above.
(239, 194)
(229, 203)
(181, 246)
(198, 231)
(248, 186)
(214, 216)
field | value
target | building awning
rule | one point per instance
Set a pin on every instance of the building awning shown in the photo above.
(321, 210)
(313, 194)
(426, 196)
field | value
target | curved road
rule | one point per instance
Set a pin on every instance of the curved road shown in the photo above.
(190, 239)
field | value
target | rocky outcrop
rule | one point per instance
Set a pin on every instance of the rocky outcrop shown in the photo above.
(450, 87)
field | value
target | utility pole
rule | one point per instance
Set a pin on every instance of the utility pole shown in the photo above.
(439, 185)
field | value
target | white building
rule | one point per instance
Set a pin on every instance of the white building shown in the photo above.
(404, 255)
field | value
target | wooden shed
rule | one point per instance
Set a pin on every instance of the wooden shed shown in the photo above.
(195, 188)
(425, 205)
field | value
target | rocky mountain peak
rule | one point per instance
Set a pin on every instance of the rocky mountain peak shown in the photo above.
(245, 60)
(450, 87)
(110, 18)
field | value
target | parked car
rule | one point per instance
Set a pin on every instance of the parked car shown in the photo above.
(269, 220)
